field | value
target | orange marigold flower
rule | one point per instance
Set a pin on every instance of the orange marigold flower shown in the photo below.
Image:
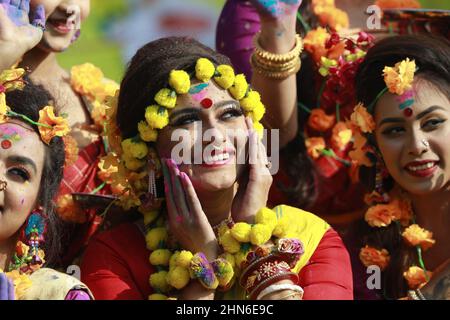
(59, 126)
(373, 197)
(360, 150)
(315, 146)
(362, 119)
(69, 211)
(404, 211)
(370, 256)
(333, 17)
(416, 277)
(399, 78)
(381, 215)
(341, 135)
(314, 43)
(414, 235)
(320, 121)
(85, 79)
(108, 165)
(396, 4)
(70, 149)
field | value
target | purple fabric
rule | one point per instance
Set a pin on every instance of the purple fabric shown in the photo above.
(77, 294)
(238, 23)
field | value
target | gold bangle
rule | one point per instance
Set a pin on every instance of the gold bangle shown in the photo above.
(275, 66)
(292, 294)
(274, 73)
(266, 55)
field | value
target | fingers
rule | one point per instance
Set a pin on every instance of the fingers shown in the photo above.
(179, 194)
(191, 196)
(171, 207)
(25, 6)
(38, 17)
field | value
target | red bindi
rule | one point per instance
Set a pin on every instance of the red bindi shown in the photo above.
(408, 112)
(206, 103)
(6, 144)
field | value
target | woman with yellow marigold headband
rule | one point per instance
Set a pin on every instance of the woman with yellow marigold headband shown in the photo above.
(205, 230)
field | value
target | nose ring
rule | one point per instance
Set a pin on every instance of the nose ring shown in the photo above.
(3, 185)
(426, 143)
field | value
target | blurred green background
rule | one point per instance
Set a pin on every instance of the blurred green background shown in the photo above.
(94, 47)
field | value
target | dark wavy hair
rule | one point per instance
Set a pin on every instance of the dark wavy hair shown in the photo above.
(432, 57)
(28, 102)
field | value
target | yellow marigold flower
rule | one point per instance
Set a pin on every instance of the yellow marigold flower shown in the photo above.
(259, 128)
(229, 243)
(70, 150)
(158, 281)
(250, 102)
(240, 257)
(58, 126)
(21, 282)
(258, 112)
(160, 257)
(85, 79)
(226, 76)
(157, 296)
(11, 79)
(146, 133)
(99, 113)
(155, 237)
(149, 216)
(381, 215)
(241, 231)
(135, 149)
(341, 135)
(166, 98)
(108, 165)
(222, 229)
(239, 88)
(283, 227)
(157, 117)
(204, 70)
(184, 259)
(267, 217)
(3, 107)
(417, 236)
(179, 80)
(131, 163)
(362, 119)
(173, 259)
(178, 277)
(260, 234)
(373, 257)
(400, 78)
(229, 257)
(69, 211)
(416, 277)
(315, 146)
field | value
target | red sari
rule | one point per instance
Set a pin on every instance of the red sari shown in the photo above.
(116, 267)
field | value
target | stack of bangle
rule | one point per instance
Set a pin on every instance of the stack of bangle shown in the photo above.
(276, 66)
(294, 289)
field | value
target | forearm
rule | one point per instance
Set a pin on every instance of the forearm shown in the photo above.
(279, 96)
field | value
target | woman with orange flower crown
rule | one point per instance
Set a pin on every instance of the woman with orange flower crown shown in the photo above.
(81, 94)
(31, 166)
(184, 122)
(402, 129)
(308, 93)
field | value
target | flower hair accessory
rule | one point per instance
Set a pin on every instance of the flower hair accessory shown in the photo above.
(49, 125)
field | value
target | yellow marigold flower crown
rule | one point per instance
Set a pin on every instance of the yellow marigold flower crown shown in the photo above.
(125, 168)
(49, 124)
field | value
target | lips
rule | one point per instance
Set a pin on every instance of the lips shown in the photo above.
(60, 25)
(218, 158)
(422, 169)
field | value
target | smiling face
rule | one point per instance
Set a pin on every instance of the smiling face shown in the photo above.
(416, 148)
(63, 18)
(212, 151)
(21, 166)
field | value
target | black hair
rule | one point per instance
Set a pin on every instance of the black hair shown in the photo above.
(432, 57)
(28, 102)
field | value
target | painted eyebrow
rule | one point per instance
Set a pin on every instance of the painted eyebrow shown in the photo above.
(418, 117)
(197, 110)
(24, 161)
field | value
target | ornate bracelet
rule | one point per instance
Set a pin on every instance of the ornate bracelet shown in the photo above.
(278, 74)
(269, 56)
(280, 287)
